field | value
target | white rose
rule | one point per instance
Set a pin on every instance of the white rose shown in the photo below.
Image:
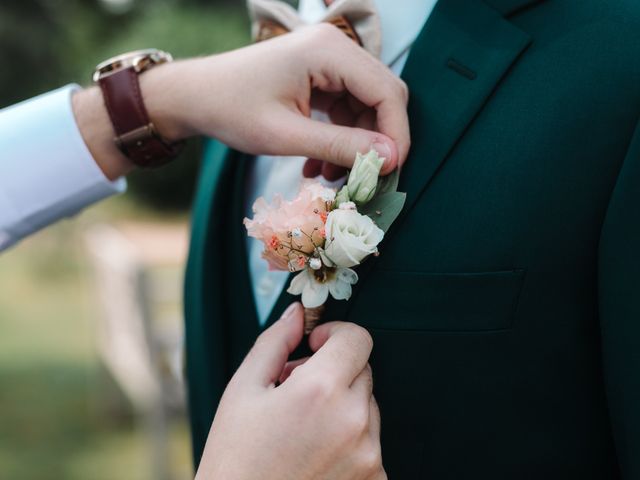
(350, 238)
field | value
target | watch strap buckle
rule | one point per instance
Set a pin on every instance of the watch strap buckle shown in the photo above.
(135, 134)
(137, 137)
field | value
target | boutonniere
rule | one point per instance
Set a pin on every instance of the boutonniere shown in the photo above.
(323, 234)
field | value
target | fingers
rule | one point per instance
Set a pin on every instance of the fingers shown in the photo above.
(342, 349)
(395, 124)
(362, 387)
(374, 435)
(312, 168)
(363, 383)
(332, 172)
(266, 360)
(349, 112)
(333, 143)
(374, 419)
(373, 84)
(381, 475)
(364, 99)
(290, 367)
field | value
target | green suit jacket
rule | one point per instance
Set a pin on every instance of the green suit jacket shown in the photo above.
(505, 307)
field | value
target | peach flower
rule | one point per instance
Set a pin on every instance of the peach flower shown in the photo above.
(291, 230)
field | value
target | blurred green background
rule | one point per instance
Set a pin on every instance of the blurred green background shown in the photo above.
(45, 44)
(62, 415)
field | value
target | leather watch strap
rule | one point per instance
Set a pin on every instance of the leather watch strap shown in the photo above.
(136, 135)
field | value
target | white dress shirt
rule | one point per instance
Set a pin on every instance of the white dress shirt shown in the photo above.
(402, 21)
(46, 170)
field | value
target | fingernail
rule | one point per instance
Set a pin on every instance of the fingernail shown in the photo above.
(383, 151)
(288, 315)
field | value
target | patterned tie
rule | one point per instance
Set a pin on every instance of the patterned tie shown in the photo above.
(358, 19)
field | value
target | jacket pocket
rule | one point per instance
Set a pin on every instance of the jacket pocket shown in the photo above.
(438, 302)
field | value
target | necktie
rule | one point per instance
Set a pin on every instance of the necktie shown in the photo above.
(358, 19)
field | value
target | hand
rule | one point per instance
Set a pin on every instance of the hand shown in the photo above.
(258, 99)
(322, 422)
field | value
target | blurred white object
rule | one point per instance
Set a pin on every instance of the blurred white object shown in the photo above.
(138, 273)
(117, 6)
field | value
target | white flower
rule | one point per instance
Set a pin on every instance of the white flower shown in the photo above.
(348, 206)
(363, 179)
(296, 233)
(315, 263)
(351, 237)
(316, 287)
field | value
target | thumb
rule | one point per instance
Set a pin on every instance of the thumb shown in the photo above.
(336, 144)
(266, 360)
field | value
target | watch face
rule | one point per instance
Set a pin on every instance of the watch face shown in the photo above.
(141, 60)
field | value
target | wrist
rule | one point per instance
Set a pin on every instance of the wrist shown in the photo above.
(168, 99)
(97, 132)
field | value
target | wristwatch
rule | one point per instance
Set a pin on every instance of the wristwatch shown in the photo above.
(136, 135)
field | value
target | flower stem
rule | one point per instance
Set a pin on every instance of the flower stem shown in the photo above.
(312, 317)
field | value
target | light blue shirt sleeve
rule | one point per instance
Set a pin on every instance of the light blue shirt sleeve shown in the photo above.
(46, 170)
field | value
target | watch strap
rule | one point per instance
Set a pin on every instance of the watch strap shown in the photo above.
(136, 135)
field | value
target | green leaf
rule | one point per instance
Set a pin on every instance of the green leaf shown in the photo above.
(342, 196)
(384, 209)
(389, 183)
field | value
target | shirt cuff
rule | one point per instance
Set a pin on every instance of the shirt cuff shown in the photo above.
(46, 170)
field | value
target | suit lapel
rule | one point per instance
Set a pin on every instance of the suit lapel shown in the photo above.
(463, 52)
(507, 7)
(206, 360)
(203, 278)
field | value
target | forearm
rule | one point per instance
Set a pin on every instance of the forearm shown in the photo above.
(258, 99)
(95, 126)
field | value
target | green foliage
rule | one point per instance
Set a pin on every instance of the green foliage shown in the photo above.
(184, 31)
(387, 203)
(384, 209)
(388, 183)
(48, 43)
(38, 44)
